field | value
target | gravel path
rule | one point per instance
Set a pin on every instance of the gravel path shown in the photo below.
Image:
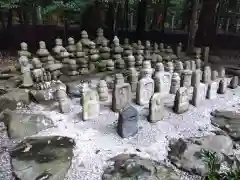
(97, 140)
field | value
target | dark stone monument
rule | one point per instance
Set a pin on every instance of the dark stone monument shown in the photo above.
(128, 122)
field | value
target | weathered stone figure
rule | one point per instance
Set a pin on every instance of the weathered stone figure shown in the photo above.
(198, 63)
(127, 49)
(206, 54)
(26, 73)
(178, 67)
(181, 102)
(85, 41)
(221, 72)
(121, 94)
(156, 108)
(42, 52)
(179, 50)
(24, 50)
(128, 122)
(212, 88)
(234, 82)
(162, 80)
(105, 53)
(57, 49)
(133, 79)
(117, 50)
(169, 67)
(140, 48)
(175, 83)
(130, 61)
(100, 37)
(145, 89)
(196, 77)
(81, 59)
(91, 106)
(206, 75)
(94, 56)
(146, 69)
(63, 100)
(186, 78)
(71, 48)
(187, 65)
(103, 90)
(139, 59)
(222, 87)
(199, 94)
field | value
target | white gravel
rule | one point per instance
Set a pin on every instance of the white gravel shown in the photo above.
(152, 139)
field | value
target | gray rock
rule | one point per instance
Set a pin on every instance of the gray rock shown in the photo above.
(74, 88)
(41, 158)
(20, 125)
(222, 87)
(186, 153)
(214, 59)
(132, 167)
(181, 101)
(229, 121)
(234, 82)
(128, 122)
(43, 96)
(12, 98)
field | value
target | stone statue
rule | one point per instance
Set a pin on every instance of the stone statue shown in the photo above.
(117, 50)
(81, 59)
(71, 48)
(26, 73)
(42, 52)
(100, 37)
(102, 90)
(24, 50)
(58, 46)
(140, 47)
(85, 41)
(94, 56)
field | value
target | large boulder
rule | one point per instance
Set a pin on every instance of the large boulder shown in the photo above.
(229, 121)
(132, 167)
(43, 96)
(41, 158)
(74, 88)
(20, 125)
(10, 99)
(186, 153)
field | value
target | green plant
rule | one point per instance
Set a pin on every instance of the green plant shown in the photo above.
(213, 164)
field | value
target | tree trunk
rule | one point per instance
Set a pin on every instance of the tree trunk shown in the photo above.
(141, 18)
(19, 12)
(166, 4)
(10, 18)
(2, 20)
(193, 26)
(126, 10)
(25, 18)
(110, 18)
(39, 15)
(207, 23)
(66, 27)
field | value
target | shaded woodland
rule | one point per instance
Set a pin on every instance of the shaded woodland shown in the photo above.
(194, 22)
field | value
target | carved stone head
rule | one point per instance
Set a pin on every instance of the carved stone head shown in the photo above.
(71, 41)
(58, 42)
(42, 45)
(24, 46)
(84, 34)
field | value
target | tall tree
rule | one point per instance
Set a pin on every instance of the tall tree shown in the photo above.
(207, 23)
(141, 18)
